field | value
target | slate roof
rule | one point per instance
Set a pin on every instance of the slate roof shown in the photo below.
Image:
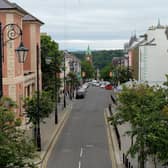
(6, 5)
(29, 17)
(19, 8)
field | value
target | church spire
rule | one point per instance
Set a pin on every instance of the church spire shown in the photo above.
(89, 55)
(88, 51)
(158, 25)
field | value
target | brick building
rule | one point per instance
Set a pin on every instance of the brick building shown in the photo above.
(19, 79)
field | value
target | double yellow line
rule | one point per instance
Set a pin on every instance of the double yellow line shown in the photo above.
(113, 147)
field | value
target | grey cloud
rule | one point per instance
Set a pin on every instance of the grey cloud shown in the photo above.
(96, 19)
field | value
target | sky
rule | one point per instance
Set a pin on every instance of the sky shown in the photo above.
(101, 24)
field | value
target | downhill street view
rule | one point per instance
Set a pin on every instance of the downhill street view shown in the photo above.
(83, 141)
(83, 84)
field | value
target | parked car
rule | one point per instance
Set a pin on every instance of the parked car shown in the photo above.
(80, 93)
(85, 85)
(97, 84)
(108, 87)
(102, 86)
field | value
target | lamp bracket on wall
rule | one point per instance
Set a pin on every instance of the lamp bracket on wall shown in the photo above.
(13, 31)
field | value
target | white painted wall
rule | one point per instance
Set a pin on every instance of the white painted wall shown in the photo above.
(154, 59)
(153, 65)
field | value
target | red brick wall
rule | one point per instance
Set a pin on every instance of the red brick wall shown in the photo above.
(26, 40)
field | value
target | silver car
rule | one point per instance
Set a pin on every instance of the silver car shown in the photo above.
(80, 93)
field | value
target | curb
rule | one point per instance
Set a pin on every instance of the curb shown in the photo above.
(113, 145)
(42, 163)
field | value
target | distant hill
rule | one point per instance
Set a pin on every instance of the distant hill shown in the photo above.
(100, 58)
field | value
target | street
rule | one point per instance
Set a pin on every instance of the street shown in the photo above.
(83, 142)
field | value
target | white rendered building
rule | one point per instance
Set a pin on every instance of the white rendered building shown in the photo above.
(153, 55)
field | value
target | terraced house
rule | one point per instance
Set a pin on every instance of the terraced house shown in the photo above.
(19, 79)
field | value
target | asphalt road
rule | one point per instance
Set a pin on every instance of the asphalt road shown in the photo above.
(83, 142)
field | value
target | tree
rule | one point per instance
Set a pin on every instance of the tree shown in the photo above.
(16, 150)
(45, 108)
(49, 50)
(73, 82)
(88, 69)
(105, 73)
(101, 58)
(143, 107)
(121, 74)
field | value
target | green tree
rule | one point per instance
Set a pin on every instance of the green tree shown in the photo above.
(101, 58)
(73, 82)
(88, 69)
(105, 73)
(16, 150)
(143, 106)
(121, 74)
(50, 51)
(45, 108)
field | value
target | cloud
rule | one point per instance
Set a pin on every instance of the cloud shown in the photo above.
(94, 44)
(96, 20)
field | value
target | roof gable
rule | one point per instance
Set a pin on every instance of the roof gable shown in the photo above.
(4, 4)
(30, 17)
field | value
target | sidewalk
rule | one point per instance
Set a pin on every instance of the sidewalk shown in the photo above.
(49, 126)
(113, 144)
(50, 132)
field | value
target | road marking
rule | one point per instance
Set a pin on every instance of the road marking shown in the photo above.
(89, 146)
(79, 164)
(66, 150)
(81, 152)
(54, 139)
(110, 143)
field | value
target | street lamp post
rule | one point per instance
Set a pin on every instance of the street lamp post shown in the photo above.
(13, 31)
(56, 91)
(38, 134)
(64, 84)
(48, 61)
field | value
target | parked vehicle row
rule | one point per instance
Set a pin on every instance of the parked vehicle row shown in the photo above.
(81, 91)
(102, 84)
